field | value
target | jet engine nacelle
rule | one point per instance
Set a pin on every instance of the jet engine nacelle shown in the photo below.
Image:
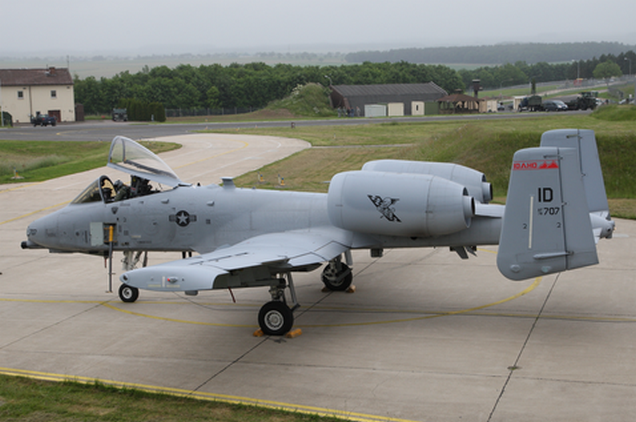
(398, 204)
(473, 180)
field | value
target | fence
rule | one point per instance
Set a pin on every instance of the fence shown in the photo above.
(184, 112)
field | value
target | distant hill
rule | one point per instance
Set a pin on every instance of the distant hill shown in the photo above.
(494, 54)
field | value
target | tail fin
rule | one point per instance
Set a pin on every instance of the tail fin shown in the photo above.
(584, 142)
(547, 225)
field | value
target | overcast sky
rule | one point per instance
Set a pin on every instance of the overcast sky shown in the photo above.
(200, 26)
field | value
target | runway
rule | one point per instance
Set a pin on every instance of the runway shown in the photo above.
(425, 337)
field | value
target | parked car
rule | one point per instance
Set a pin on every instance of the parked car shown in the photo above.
(42, 120)
(554, 105)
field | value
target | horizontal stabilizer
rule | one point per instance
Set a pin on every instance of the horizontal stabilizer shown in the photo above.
(546, 226)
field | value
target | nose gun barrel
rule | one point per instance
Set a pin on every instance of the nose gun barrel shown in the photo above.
(27, 244)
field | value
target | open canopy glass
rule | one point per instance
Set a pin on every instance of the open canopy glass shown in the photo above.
(128, 156)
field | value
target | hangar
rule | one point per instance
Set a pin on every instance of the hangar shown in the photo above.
(24, 92)
(398, 99)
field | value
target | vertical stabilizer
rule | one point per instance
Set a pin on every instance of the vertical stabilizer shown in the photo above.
(546, 226)
(584, 142)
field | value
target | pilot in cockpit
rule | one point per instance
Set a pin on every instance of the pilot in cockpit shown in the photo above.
(138, 187)
(123, 191)
(107, 190)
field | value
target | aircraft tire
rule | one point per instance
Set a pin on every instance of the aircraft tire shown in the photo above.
(333, 282)
(128, 294)
(275, 318)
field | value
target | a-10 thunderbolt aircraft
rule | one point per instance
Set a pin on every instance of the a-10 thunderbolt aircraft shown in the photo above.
(555, 213)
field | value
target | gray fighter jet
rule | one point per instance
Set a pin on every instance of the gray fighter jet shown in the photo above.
(556, 212)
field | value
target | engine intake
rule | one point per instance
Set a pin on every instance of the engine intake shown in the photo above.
(398, 204)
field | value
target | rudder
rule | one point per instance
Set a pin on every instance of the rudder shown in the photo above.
(546, 226)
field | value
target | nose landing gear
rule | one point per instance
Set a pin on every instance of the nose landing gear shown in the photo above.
(128, 294)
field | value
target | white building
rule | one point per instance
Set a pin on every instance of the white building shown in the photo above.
(24, 92)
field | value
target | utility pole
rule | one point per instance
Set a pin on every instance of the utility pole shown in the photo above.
(1, 111)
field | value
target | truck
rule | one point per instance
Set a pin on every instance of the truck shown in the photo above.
(43, 120)
(585, 100)
(531, 103)
(120, 115)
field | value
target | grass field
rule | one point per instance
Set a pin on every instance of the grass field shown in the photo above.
(43, 160)
(23, 399)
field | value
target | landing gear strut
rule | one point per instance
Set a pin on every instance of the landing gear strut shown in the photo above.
(276, 318)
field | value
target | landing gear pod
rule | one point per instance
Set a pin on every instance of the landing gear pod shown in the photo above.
(397, 204)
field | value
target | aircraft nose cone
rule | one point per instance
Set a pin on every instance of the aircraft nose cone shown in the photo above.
(42, 231)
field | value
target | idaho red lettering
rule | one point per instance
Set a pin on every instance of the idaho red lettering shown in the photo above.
(535, 165)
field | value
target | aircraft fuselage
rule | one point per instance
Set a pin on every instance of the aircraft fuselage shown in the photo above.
(204, 218)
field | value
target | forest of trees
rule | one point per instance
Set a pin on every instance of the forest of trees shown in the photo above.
(249, 85)
(254, 85)
(521, 73)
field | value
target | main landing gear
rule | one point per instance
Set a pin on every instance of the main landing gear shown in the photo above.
(337, 275)
(276, 318)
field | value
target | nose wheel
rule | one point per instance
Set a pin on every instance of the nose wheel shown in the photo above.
(127, 293)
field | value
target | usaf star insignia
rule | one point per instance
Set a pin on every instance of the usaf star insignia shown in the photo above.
(183, 218)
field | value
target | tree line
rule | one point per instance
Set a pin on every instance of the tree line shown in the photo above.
(521, 73)
(243, 85)
(257, 84)
(493, 54)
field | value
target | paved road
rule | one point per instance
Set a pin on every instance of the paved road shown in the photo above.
(107, 130)
(426, 336)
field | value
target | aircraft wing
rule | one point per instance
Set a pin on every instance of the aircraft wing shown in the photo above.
(250, 263)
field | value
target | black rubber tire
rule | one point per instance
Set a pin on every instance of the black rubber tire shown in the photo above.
(128, 294)
(275, 318)
(330, 280)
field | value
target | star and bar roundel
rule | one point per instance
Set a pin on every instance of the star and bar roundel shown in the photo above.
(182, 218)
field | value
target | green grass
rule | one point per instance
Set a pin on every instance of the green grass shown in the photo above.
(36, 161)
(311, 100)
(24, 399)
(616, 113)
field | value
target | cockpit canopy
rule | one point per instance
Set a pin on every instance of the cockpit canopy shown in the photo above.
(128, 156)
(144, 166)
